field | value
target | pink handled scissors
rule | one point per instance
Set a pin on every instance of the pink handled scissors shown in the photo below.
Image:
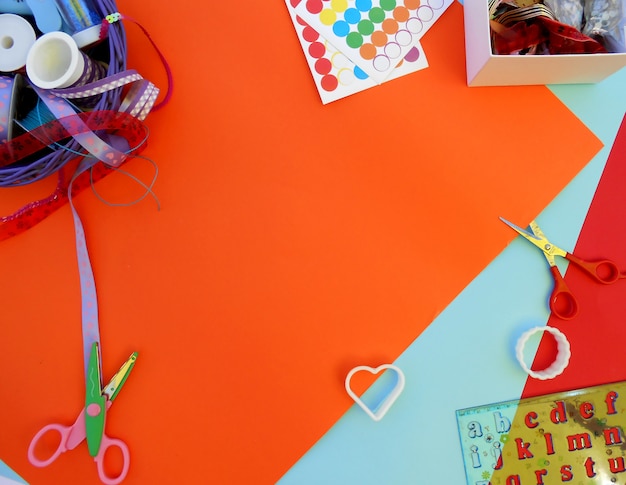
(72, 436)
(562, 301)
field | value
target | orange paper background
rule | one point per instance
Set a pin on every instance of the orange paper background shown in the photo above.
(295, 241)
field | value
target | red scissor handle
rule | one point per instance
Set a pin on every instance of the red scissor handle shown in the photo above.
(603, 271)
(562, 301)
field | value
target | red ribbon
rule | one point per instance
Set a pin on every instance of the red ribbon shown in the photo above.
(112, 123)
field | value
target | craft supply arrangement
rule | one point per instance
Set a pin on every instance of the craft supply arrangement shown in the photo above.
(254, 254)
(71, 108)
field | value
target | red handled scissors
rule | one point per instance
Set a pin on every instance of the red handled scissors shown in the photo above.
(83, 427)
(562, 301)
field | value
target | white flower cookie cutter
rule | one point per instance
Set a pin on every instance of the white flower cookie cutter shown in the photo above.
(560, 362)
(379, 412)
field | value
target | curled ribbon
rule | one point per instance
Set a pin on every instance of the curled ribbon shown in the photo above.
(122, 126)
(120, 134)
(139, 100)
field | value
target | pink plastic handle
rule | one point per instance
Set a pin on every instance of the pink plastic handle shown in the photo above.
(112, 443)
(64, 431)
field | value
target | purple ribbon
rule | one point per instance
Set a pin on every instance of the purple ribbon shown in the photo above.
(138, 102)
(89, 298)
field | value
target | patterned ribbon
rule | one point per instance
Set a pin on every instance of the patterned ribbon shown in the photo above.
(134, 108)
(525, 13)
(77, 14)
(92, 71)
(8, 94)
(123, 125)
(137, 103)
(116, 17)
(89, 299)
(109, 137)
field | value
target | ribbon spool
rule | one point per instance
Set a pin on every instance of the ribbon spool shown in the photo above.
(55, 61)
(81, 20)
(9, 88)
(16, 38)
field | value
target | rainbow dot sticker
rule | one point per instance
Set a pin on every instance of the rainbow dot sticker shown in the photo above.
(337, 76)
(374, 34)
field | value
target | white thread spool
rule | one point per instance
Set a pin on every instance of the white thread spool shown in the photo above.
(55, 61)
(16, 38)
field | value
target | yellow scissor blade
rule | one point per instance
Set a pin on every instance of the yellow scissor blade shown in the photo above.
(117, 381)
(538, 239)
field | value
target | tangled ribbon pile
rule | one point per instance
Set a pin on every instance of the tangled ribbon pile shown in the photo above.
(81, 145)
(104, 137)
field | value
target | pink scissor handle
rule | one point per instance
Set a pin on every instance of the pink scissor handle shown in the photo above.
(112, 443)
(562, 301)
(603, 271)
(71, 436)
(64, 431)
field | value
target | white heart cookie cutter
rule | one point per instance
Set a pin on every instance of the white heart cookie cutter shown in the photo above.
(380, 411)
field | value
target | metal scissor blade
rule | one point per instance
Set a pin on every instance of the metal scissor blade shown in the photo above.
(117, 381)
(533, 238)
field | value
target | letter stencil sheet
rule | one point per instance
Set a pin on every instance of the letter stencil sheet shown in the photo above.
(574, 436)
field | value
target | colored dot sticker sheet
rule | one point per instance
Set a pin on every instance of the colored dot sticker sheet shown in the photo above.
(374, 34)
(334, 74)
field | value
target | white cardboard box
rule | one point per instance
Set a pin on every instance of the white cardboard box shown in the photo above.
(487, 69)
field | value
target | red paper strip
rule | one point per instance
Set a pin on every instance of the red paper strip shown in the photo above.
(596, 333)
